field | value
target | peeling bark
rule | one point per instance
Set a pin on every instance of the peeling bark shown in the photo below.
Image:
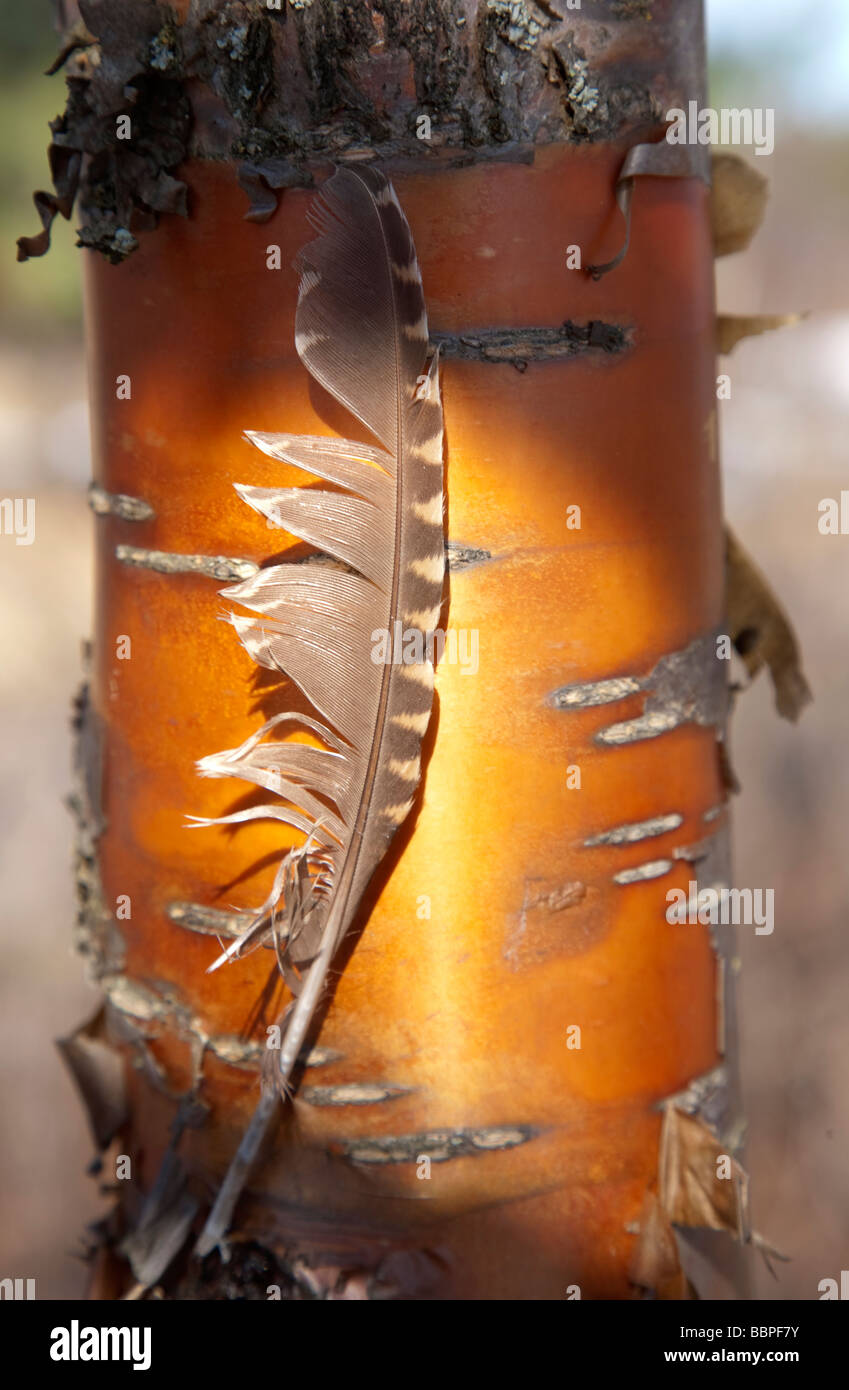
(279, 93)
(528, 108)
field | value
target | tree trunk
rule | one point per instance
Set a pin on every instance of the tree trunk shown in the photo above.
(524, 1071)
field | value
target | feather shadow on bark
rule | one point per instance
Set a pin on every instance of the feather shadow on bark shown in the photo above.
(361, 331)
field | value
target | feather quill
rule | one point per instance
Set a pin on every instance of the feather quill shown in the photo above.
(361, 331)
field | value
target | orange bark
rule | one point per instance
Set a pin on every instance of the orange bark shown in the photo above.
(469, 1009)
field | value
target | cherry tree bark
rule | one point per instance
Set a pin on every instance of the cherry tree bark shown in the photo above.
(523, 1076)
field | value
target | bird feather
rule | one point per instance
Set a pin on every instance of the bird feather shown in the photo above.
(361, 332)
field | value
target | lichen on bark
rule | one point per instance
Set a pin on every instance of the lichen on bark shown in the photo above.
(279, 91)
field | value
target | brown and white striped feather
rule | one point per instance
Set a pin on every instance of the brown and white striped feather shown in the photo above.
(361, 331)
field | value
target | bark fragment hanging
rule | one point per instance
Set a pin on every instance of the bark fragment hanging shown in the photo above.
(761, 630)
(731, 329)
(738, 201)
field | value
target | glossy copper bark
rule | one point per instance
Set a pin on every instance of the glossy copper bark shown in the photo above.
(467, 1011)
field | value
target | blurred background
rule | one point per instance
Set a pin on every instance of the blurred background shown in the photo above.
(784, 447)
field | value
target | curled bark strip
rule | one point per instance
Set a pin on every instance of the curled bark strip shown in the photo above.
(262, 181)
(65, 166)
(47, 206)
(660, 160)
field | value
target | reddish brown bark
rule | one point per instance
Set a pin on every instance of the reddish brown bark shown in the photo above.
(542, 1154)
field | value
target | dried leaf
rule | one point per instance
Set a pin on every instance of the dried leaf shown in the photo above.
(761, 631)
(739, 194)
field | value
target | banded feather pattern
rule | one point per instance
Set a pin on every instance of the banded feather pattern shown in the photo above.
(361, 331)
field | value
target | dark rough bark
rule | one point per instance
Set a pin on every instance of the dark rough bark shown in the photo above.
(281, 92)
